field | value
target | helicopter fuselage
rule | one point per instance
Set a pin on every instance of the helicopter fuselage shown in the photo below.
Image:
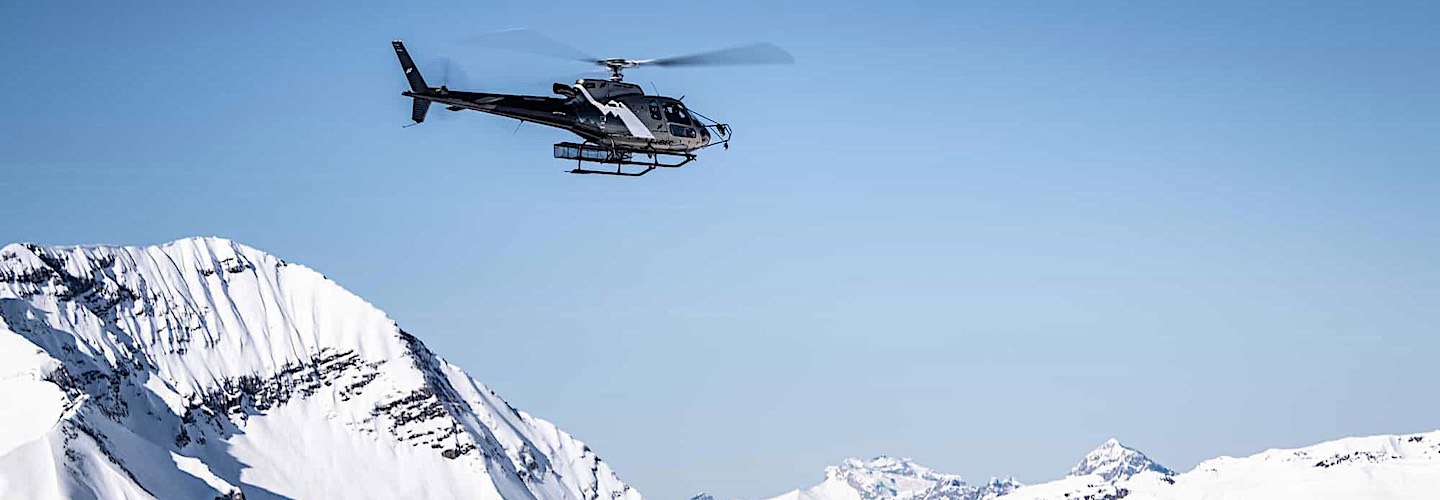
(608, 113)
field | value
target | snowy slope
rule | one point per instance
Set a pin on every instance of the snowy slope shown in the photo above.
(1400, 467)
(1098, 475)
(896, 478)
(1375, 467)
(203, 367)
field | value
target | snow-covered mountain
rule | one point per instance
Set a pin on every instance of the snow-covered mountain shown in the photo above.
(1397, 467)
(1375, 467)
(1113, 461)
(203, 368)
(896, 478)
(1098, 474)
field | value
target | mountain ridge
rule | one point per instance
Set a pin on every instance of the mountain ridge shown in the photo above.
(204, 367)
(886, 477)
(1387, 467)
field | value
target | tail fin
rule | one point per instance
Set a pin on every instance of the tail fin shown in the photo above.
(417, 112)
(417, 83)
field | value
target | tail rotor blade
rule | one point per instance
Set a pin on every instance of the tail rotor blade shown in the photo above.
(444, 71)
(451, 76)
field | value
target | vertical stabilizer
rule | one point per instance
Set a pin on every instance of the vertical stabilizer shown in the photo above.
(417, 82)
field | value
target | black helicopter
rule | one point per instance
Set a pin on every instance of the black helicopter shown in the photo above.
(620, 125)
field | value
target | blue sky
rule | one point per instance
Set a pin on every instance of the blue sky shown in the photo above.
(985, 235)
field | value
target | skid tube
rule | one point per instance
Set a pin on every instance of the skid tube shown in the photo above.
(620, 158)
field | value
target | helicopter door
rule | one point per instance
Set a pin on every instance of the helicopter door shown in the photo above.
(655, 119)
(680, 122)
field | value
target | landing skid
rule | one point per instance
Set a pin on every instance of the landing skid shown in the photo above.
(619, 157)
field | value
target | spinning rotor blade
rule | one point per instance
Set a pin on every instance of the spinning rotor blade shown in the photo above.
(451, 75)
(755, 53)
(570, 78)
(531, 42)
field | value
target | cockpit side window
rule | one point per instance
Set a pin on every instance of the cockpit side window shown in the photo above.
(675, 113)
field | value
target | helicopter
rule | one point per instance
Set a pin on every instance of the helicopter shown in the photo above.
(619, 125)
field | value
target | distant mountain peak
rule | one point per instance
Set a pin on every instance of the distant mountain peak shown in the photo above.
(1114, 461)
(1393, 467)
(887, 477)
(883, 464)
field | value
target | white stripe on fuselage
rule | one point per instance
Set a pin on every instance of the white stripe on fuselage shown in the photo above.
(619, 110)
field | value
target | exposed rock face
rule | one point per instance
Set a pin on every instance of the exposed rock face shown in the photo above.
(204, 368)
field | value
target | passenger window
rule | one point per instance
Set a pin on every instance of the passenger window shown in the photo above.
(654, 110)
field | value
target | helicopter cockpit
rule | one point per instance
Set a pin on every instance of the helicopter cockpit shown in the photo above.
(682, 123)
(657, 115)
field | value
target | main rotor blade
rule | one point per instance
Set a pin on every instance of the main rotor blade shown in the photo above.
(755, 53)
(529, 41)
(572, 77)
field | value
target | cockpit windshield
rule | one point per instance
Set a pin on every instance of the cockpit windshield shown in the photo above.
(675, 113)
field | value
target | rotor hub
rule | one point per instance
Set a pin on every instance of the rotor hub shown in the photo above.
(617, 65)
